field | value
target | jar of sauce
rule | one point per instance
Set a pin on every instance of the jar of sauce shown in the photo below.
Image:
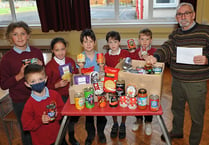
(79, 100)
(142, 99)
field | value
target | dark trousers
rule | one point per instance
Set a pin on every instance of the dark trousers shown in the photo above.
(26, 137)
(194, 93)
(146, 118)
(100, 124)
(73, 119)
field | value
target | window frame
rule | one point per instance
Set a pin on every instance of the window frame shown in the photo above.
(115, 22)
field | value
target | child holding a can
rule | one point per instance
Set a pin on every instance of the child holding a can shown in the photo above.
(41, 114)
(112, 58)
(59, 71)
(145, 49)
(12, 69)
(88, 42)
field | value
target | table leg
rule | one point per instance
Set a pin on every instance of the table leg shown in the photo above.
(62, 130)
(164, 129)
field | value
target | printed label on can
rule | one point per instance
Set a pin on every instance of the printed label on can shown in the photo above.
(154, 103)
(89, 97)
(79, 103)
(142, 101)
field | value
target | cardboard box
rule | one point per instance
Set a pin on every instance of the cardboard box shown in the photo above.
(151, 82)
(78, 88)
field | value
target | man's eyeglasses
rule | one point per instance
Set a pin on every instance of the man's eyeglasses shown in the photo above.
(183, 14)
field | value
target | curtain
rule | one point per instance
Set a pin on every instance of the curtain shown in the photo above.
(64, 15)
(193, 2)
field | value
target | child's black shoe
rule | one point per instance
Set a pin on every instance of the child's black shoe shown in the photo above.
(114, 131)
(122, 131)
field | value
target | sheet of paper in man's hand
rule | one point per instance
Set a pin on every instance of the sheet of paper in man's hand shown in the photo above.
(185, 55)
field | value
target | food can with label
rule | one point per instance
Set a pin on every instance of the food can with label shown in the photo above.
(89, 97)
(113, 100)
(142, 99)
(51, 110)
(154, 103)
(157, 70)
(102, 101)
(120, 88)
(100, 58)
(132, 103)
(123, 101)
(79, 100)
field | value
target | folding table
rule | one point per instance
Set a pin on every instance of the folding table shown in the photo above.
(70, 110)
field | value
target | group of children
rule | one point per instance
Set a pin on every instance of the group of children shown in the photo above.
(38, 91)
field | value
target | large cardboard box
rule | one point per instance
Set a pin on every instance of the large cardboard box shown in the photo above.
(79, 88)
(151, 82)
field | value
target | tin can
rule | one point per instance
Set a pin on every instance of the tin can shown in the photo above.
(102, 100)
(100, 58)
(157, 70)
(127, 64)
(113, 100)
(154, 104)
(51, 110)
(120, 88)
(34, 60)
(89, 97)
(132, 103)
(142, 99)
(81, 58)
(140, 69)
(79, 100)
(123, 101)
(148, 68)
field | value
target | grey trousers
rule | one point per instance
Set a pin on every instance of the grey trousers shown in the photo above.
(194, 93)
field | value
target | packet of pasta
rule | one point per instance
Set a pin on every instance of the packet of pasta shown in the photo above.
(111, 76)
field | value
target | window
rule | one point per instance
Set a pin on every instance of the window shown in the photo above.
(133, 11)
(165, 3)
(103, 12)
(18, 10)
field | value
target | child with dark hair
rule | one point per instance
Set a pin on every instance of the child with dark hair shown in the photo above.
(42, 111)
(112, 58)
(88, 42)
(61, 81)
(145, 41)
(12, 67)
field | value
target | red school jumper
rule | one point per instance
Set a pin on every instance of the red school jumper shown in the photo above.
(113, 60)
(52, 71)
(10, 66)
(42, 134)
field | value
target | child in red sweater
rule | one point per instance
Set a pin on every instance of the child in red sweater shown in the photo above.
(112, 58)
(12, 69)
(145, 41)
(41, 113)
(55, 69)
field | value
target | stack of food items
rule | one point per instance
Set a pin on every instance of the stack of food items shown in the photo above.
(108, 88)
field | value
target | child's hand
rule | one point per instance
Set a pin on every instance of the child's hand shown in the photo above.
(101, 66)
(45, 118)
(145, 56)
(140, 55)
(61, 83)
(151, 59)
(20, 75)
(80, 64)
(39, 62)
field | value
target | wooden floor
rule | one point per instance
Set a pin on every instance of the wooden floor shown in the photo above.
(138, 137)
